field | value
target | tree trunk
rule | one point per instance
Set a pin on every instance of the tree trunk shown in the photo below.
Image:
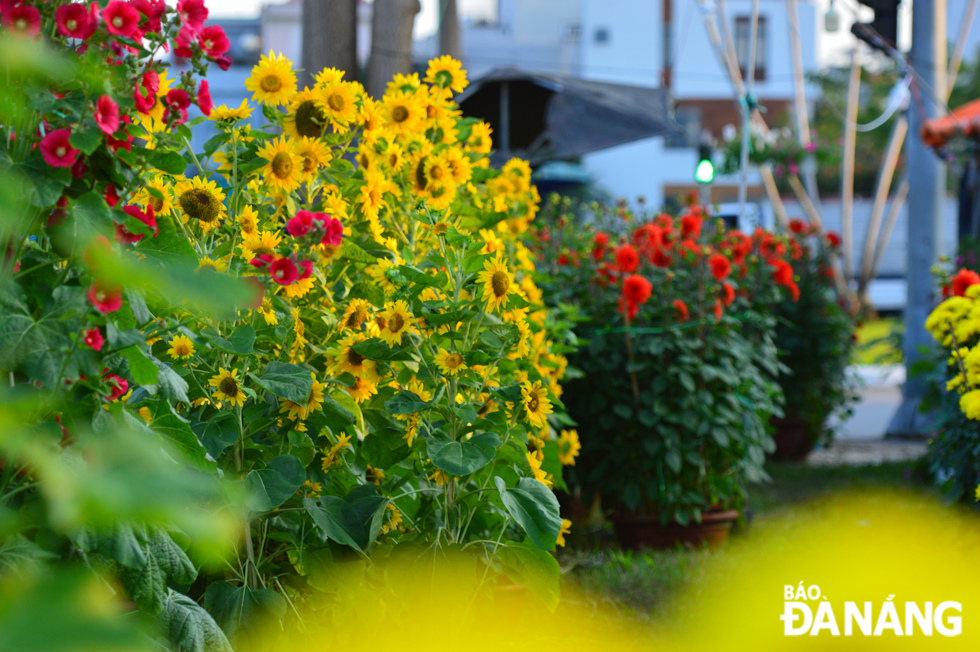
(391, 42)
(329, 38)
(449, 40)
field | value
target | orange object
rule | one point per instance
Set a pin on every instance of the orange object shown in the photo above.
(966, 118)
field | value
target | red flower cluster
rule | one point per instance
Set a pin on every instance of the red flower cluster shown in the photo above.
(319, 226)
(962, 280)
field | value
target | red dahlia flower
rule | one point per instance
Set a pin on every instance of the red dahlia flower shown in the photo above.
(57, 151)
(718, 309)
(107, 114)
(964, 279)
(106, 299)
(121, 19)
(680, 310)
(783, 272)
(636, 289)
(94, 339)
(691, 226)
(599, 246)
(627, 258)
(284, 271)
(720, 267)
(728, 294)
(797, 226)
(833, 239)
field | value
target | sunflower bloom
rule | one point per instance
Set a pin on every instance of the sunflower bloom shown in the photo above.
(201, 201)
(396, 320)
(338, 101)
(362, 389)
(497, 282)
(535, 459)
(566, 528)
(568, 447)
(447, 73)
(536, 403)
(227, 388)
(450, 363)
(403, 112)
(272, 81)
(305, 118)
(181, 348)
(313, 403)
(223, 113)
(283, 172)
(351, 362)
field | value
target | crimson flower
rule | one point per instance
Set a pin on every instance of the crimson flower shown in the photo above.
(124, 236)
(107, 114)
(691, 226)
(76, 20)
(307, 267)
(833, 239)
(152, 11)
(627, 258)
(57, 151)
(783, 272)
(106, 299)
(23, 20)
(797, 226)
(117, 385)
(121, 19)
(636, 289)
(599, 246)
(717, 309)
(728, 293)
(204, 98)
(193, 13)
(964, 279)
(177, 99)
(334, 232)
(680, 310)
(720, 267)
(284, 271)
(94, 339)
(213, 41)
(300, 224)
(262, 261)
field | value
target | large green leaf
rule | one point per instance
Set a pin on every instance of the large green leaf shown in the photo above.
(118, 542)
(270, 487)
(240, 342)
(385, 448)
(189, 627)
(19, 554)
(165, 562)
(178, 438)
(240, 610)
(405, 402)
(533, 568)
(92, 215)
(330, 515)
(143, 371)
(376, 349)
(289, 381)
(535, 509)
(354, 520)
(217, 434)
(169, 245)
(463, 457)
(169, 383)
(167, 160)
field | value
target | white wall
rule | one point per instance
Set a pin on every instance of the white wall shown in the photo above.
(633, 51)
(640, 168)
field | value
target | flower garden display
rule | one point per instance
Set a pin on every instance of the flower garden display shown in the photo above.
(815, 337)
(677, 379)
(332, 320)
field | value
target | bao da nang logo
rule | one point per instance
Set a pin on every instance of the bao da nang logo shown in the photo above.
(806, 611)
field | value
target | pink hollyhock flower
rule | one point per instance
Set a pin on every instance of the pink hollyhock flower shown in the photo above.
(223, 62)
(262, 261)
(23, 20)
(124, 236)
(76, 20)
(111, 196)
(177, 99)
(213, 41)
(184, 42)
(121, 19)
(334, 232)
(307, 267)
(152, 11)
(119, 386)
(300, 224)
(94, 339)
(107, 115)
(204, 98)
(57, 151)
(105, 299)
(284, 271)
(193, 13)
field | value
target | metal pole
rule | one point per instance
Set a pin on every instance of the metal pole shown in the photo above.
(927, 193)
(747, 102)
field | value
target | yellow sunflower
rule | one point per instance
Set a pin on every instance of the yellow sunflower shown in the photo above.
(403, 112)
(357, 311)
(437, 172)
(396, 320)
(568, 447)
(262, 242)
(394, 157)
(227, 388)
(209, 264)
(536, 403)
(446, 72)
(352, 362)
(202, 201)
(379, 273)
(450, 363)
(459, 164)
(371, 197)
(497, 282)
(272, 81)
(181, 347)
(284, 170)
(338, 101)
(479, 140)
(305, 118)
(371, 116)
(313, 403)
(161, 200)
(566, 528)
(248, 220)
(405, 83)
(224, 113)
(314, 153)
(362, 389)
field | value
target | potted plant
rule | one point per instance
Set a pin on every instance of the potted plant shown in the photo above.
(677, 376)
(815, 338)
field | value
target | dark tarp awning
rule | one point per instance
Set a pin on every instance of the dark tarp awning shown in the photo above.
(550, 117)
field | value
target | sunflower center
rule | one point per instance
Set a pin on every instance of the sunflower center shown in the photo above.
(440, 228)
(399, 114)
(200, 204)
(396, 323)
(309, 163)
(282, 165)
(156, 204)
(393, 160)
(271, 83)
(500, 284)
(356, 319)
(355, 358)
(336, 102)
(453, 360)
(420, 175)
(430, 111)
(309, 120)
(435, 172)
(532, 404)
(228, 386)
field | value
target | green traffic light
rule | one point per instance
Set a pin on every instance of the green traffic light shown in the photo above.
(705, 172)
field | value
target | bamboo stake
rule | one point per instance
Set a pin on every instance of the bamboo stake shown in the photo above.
(814, 216)
(715, 38)
(773, 192)
(847, 172)
(900, 196)
(796, 50)
(731, 55)
(969, 13)
(885, 177)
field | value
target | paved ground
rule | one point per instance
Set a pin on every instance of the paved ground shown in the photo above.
(861, 439)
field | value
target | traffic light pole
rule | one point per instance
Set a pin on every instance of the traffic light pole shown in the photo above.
(926, 203)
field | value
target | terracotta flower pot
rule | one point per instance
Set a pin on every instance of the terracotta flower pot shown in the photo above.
(792, 442)
(636, 531)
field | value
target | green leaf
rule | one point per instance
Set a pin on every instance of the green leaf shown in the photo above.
(137, 303)
(354, 520)
(385, 448)
(463, 457)
(117, 542)
(216, 434)
(178, 436)
(143, 371)
(405, 402)
(167, 160)
(87, 140)
(270, 487)
(367, 291)
(535, 509)
(240, 342)
(376, 349)
(169, 383)
(534, 569)
(332, 516)
(337, 415)
(241, 611)
(169, 246)
(191, 628)
(92, 215)
(289, 381)
(19, 554)
(351, 251)
(673, 459)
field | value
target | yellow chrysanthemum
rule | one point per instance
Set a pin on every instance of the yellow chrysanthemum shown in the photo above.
(403, 112)
(314, 153)
(396, 320)
(338, 101)
(568, 447)
(450, 363)
(446, 72)
(181, 347)
(497, 282)
(272, 81)
(201, 201)
(305, 118)
(536, 403)
(224, 113)
(227, 388)
(284, 170)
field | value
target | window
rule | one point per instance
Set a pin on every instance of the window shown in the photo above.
(743, 31)
(601, 35)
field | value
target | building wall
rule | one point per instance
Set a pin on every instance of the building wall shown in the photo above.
(622, 41)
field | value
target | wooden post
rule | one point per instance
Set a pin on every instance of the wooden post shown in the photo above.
(796, 50)
(773, 192)
(969, 13)
(847, 171)
(814, 216)
(890, 220)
